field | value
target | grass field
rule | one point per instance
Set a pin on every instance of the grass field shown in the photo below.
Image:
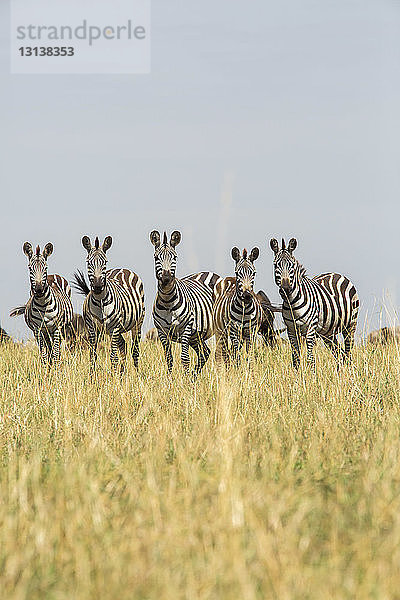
(258, 483)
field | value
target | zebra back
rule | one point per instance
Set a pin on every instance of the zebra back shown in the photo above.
(131, 283)
(223, 294)
(206, 278)
(59, 284)
(341, 302)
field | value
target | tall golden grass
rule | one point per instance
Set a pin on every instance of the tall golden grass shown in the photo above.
(251, 484)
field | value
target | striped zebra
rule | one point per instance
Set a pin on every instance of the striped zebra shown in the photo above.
(114, 300)
(325, 305)
(49, 308)
(182, 310)
(239, 314)
(4, 337)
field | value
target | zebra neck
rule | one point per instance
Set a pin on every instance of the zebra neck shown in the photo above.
(167, 293)
(241, 306)
(45, 300)
(293, 295)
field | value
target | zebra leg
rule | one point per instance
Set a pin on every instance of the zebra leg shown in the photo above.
(348, 336)
(203, 353)
(135, 347)
(185, 349)
(269, 337)
(115, 345)
(310, 341)
(236, 347)
(268, 334)
(294, 339)
(92, 342)
(333, 345)
(122, 352)
(42, 346)
(56, 346)
(166, 343)
(221, 349)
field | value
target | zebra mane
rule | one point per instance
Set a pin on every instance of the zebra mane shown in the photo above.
(37, 251)
(302, 269)
(97, 243)
(244, 253)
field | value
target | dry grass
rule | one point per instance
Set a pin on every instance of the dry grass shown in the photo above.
(255, 484)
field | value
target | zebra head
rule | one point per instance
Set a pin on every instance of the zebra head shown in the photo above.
(286, 266)
(97, 262)
(165, 256)
(38, 267)
(245, 272)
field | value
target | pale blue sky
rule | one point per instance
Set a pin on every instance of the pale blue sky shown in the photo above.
(292, 106)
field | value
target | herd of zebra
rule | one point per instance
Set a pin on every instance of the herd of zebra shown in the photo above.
(189, 310)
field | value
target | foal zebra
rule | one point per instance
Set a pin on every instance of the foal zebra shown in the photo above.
(115, 300)
(325, 305)
(238, 312)
(182, 310)
(49, 308)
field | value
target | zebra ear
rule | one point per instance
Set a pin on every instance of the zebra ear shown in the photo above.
(274, 245)
(107, 243)
(292, 245)
(27, 248)
(235, 254)
(47, 250)
(155, 238)
(254, 254)
(175, 238)
(86, 243)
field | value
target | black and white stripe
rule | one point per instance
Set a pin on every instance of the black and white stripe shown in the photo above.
(182, 310)
(325, 305)
(238, 313)
(4, 337)
(115, 300)
(49, 308)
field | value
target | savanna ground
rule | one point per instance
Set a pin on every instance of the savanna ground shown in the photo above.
(259, 483)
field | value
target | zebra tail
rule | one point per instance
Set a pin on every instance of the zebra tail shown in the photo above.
(266, 302)
(17, 311)
(271, 307)
(79, 284)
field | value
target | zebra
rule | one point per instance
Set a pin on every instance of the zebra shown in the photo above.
(239, 313)
(49, 307)
(325, 305)
(4, 337)
(182, 309)
(384, 336)
(115, 300)
(74, 333)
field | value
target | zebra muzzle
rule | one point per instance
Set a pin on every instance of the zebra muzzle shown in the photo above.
(39, 290)
(166, 277)
(97, 286)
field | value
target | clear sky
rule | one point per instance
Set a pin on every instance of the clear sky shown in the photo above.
(258, 119)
